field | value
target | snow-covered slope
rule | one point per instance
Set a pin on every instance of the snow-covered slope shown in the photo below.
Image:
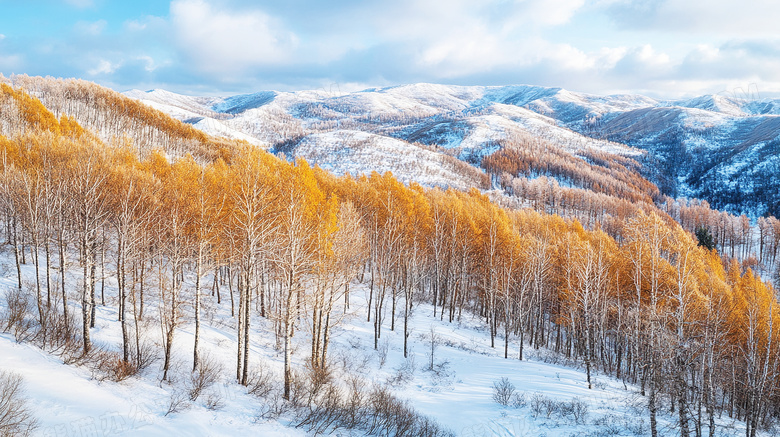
(348, 152)
(713, 147)
(379, 129)
(457, 392)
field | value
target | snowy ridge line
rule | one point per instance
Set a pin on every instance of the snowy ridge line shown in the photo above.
(710, 147)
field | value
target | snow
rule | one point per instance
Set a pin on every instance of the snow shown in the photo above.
(176, 112)
(513, 109)
(219, 129)
(715, 103)
(463, 398)
(197, 105)
(68, 401)
(360, 153)
(470, 121)
(241, 103)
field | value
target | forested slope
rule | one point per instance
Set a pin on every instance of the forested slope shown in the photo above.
(561, 152)
(281, 242)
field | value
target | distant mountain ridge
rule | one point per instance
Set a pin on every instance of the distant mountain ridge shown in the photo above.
(718, 148)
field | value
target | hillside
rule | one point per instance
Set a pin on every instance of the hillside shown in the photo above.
(716, 148)
(703, 161)
(550, 398)
(204, 262)
(466, 123)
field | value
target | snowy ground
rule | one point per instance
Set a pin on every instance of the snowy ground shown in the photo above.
(68, 401)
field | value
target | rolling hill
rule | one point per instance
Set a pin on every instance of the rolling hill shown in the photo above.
(156, 260)
(720, 149)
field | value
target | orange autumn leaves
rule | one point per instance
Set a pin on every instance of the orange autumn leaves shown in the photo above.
(589, 293)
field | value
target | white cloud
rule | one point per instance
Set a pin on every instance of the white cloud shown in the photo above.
(450, 39)
(10, 62)
(549, 12)
(717, 17)
(104, 67)
(704, 53)
(149, 64)
(666, 46)
(608, 57)
(736, 64)
(229, 42)
(93, 28)
(429, 21)
(722, 16)
(145, 24)
(135, 26)
(649, 57)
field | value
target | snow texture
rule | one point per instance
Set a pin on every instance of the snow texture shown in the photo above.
(457, 393)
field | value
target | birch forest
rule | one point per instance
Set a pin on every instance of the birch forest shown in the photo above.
(177, 218)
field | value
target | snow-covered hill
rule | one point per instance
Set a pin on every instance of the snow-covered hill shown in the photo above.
(465, 122)
(550, 398)
(451, 373)
(722, 149)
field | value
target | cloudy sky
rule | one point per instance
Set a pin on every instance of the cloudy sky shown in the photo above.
(662, 48)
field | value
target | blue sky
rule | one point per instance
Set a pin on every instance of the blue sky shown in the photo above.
(663, 48)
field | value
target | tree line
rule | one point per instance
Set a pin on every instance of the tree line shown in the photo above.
(594, 187)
